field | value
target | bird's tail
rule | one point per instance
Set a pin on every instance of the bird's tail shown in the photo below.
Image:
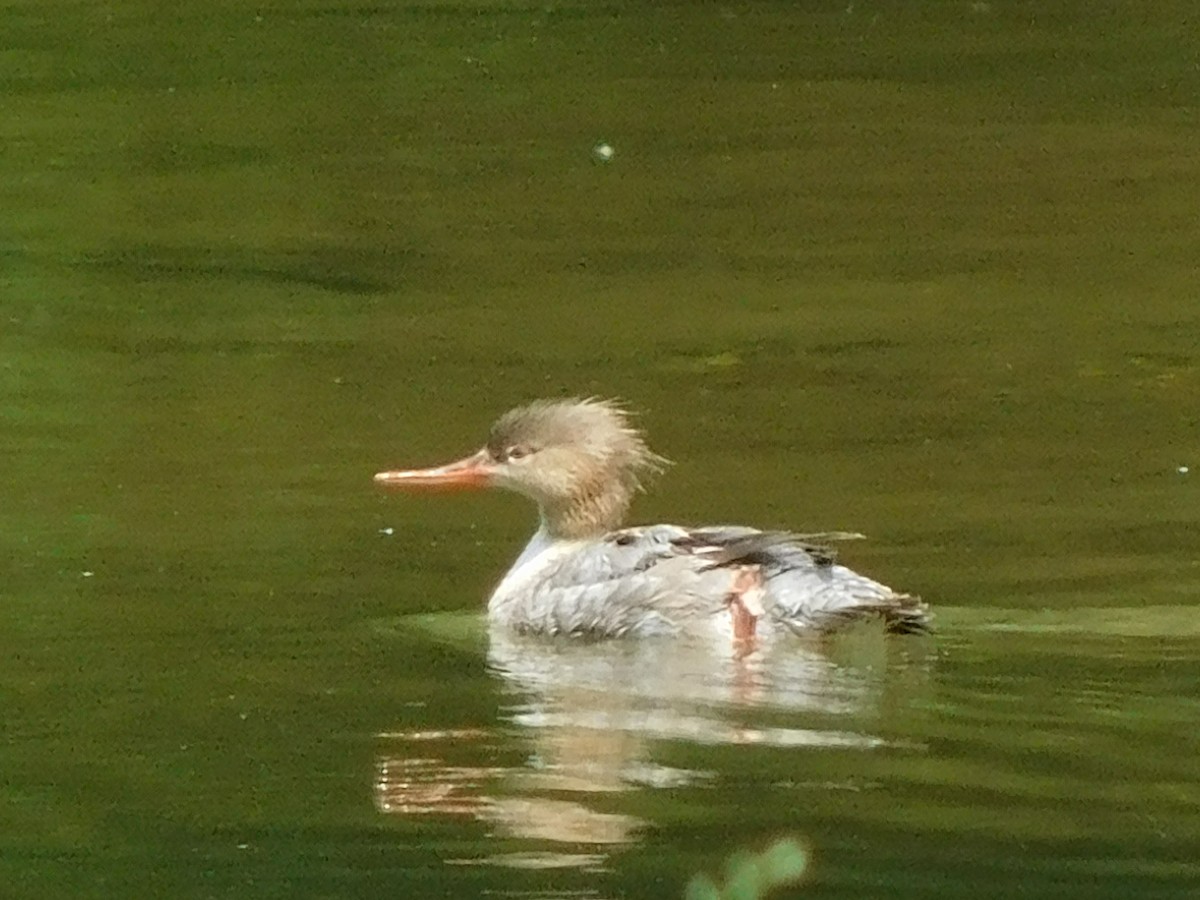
(907, 614)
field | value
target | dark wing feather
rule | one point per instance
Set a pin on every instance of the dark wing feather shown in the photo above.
(804, 582)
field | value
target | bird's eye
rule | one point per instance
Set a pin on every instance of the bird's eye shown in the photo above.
(516, 453)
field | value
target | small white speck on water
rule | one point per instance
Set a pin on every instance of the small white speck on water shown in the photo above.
(88, 574)
(1183, 470)
(388, 531)
(602, 152)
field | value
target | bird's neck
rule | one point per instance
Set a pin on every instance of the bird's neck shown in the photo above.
(591, 512)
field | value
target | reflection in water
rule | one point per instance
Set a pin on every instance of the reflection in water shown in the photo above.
(431, 781)
(593, 713)
(685, 690)
(421, 785)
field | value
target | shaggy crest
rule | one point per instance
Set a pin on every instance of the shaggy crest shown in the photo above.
(598, 429)
(599, 460)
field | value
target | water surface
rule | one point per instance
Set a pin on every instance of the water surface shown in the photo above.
(925, 273)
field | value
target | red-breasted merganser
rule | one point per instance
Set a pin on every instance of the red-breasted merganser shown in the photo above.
(582, 574)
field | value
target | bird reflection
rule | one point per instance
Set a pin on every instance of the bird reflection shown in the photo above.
(592, 714)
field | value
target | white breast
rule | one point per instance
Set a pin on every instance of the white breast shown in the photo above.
(541, 556)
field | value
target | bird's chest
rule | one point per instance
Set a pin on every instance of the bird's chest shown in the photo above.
(607, 589)
(526, 592)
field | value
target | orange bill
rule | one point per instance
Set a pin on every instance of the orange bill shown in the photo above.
(475, 471)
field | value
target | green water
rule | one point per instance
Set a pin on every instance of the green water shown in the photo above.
(925, 271)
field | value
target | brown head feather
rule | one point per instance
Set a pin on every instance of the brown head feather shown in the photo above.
(585, 461)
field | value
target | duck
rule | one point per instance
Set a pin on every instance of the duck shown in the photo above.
(587, 574)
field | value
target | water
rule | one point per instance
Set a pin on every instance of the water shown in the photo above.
(925, 273)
